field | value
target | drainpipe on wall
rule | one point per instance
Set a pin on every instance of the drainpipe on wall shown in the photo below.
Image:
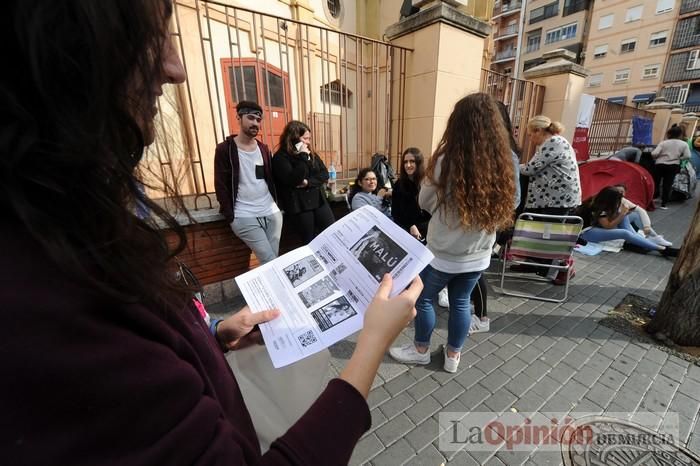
(521, 33)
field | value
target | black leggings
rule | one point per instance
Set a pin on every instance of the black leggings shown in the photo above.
(479, 296)
(311, 222)
(665, 173)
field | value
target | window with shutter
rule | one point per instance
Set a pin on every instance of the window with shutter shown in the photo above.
(634, 13)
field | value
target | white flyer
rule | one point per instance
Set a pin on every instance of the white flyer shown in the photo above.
(323, 289)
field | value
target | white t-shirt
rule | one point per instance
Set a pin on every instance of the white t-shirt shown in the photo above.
(254, 198)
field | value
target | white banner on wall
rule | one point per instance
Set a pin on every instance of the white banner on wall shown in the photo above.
(585, 111)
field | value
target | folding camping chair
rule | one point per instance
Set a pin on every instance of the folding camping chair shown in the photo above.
(540, 236)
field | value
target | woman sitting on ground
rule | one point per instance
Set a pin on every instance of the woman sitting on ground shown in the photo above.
(639, 218)
(606, 219)
(365, 192)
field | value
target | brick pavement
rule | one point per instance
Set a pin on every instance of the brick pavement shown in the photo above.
(538, 356)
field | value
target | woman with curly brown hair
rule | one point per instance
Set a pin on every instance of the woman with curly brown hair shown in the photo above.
(468, 189)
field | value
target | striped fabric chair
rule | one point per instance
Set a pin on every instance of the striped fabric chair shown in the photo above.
(539, 236)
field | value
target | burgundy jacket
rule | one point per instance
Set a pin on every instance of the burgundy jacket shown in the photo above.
(226, 174)
(92, 381)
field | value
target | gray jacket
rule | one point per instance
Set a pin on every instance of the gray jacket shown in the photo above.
(447, 239)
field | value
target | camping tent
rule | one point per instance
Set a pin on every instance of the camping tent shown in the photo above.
(597, 174)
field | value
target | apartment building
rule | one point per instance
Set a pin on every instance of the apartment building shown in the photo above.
(553, 24)
(506, 36)
(626, 49)
(681, 78)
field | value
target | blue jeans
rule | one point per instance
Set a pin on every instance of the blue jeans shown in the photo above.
(623, 231)
(636, 220)
(459, 289)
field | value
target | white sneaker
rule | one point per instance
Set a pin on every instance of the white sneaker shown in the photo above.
(660, 240)
(640, 232)
(408, 354)
(478, 326)
(451, 364)
(443, 300)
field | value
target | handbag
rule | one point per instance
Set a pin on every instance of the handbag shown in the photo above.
(277, 398)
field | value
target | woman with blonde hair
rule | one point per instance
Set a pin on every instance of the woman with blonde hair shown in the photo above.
(468, 190)
(555, 186)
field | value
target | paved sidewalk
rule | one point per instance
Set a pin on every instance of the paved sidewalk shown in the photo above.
(538, 356)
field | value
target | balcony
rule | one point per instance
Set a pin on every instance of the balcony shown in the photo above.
(680, 67)
(688, 6)
(504, 33)
(504, 55)
(506, 9)
(686, 33)
(574, 6)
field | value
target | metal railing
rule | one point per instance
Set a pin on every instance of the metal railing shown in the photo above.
(688, 108)
(574, 6)
(611, 126)
(523, 99)
(506, 7)
(507, 31)
(349, 89)
(688, 6)
(505, 55)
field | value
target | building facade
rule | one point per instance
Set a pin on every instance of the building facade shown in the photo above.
(506, 36)
(550, 25)
(681, 77)
(626, 49)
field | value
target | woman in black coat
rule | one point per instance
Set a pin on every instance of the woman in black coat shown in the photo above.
(404, 202)
(300, 175)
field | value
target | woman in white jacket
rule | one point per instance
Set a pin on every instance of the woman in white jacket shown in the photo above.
(667, 162)
(468, 189)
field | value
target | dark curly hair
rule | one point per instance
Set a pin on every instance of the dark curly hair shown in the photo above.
(606, 202)
(75, 101)
(476, 177)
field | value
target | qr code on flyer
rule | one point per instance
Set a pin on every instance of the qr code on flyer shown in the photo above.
(307, 338)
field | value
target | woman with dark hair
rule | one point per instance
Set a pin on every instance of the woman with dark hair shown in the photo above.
(300, 175)
(404, 200)
(605, 219)
(468, 190)
(92, 307)
(667, 162)
(514, 149)
(364, 192)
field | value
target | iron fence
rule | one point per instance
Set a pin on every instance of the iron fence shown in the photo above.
(506, 7)
(611, 126)
(523, 99)
(349, 89)
(506, 31)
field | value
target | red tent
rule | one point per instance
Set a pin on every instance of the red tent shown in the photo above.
(597, 174)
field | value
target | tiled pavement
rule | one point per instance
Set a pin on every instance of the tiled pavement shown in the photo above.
(538, 356)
